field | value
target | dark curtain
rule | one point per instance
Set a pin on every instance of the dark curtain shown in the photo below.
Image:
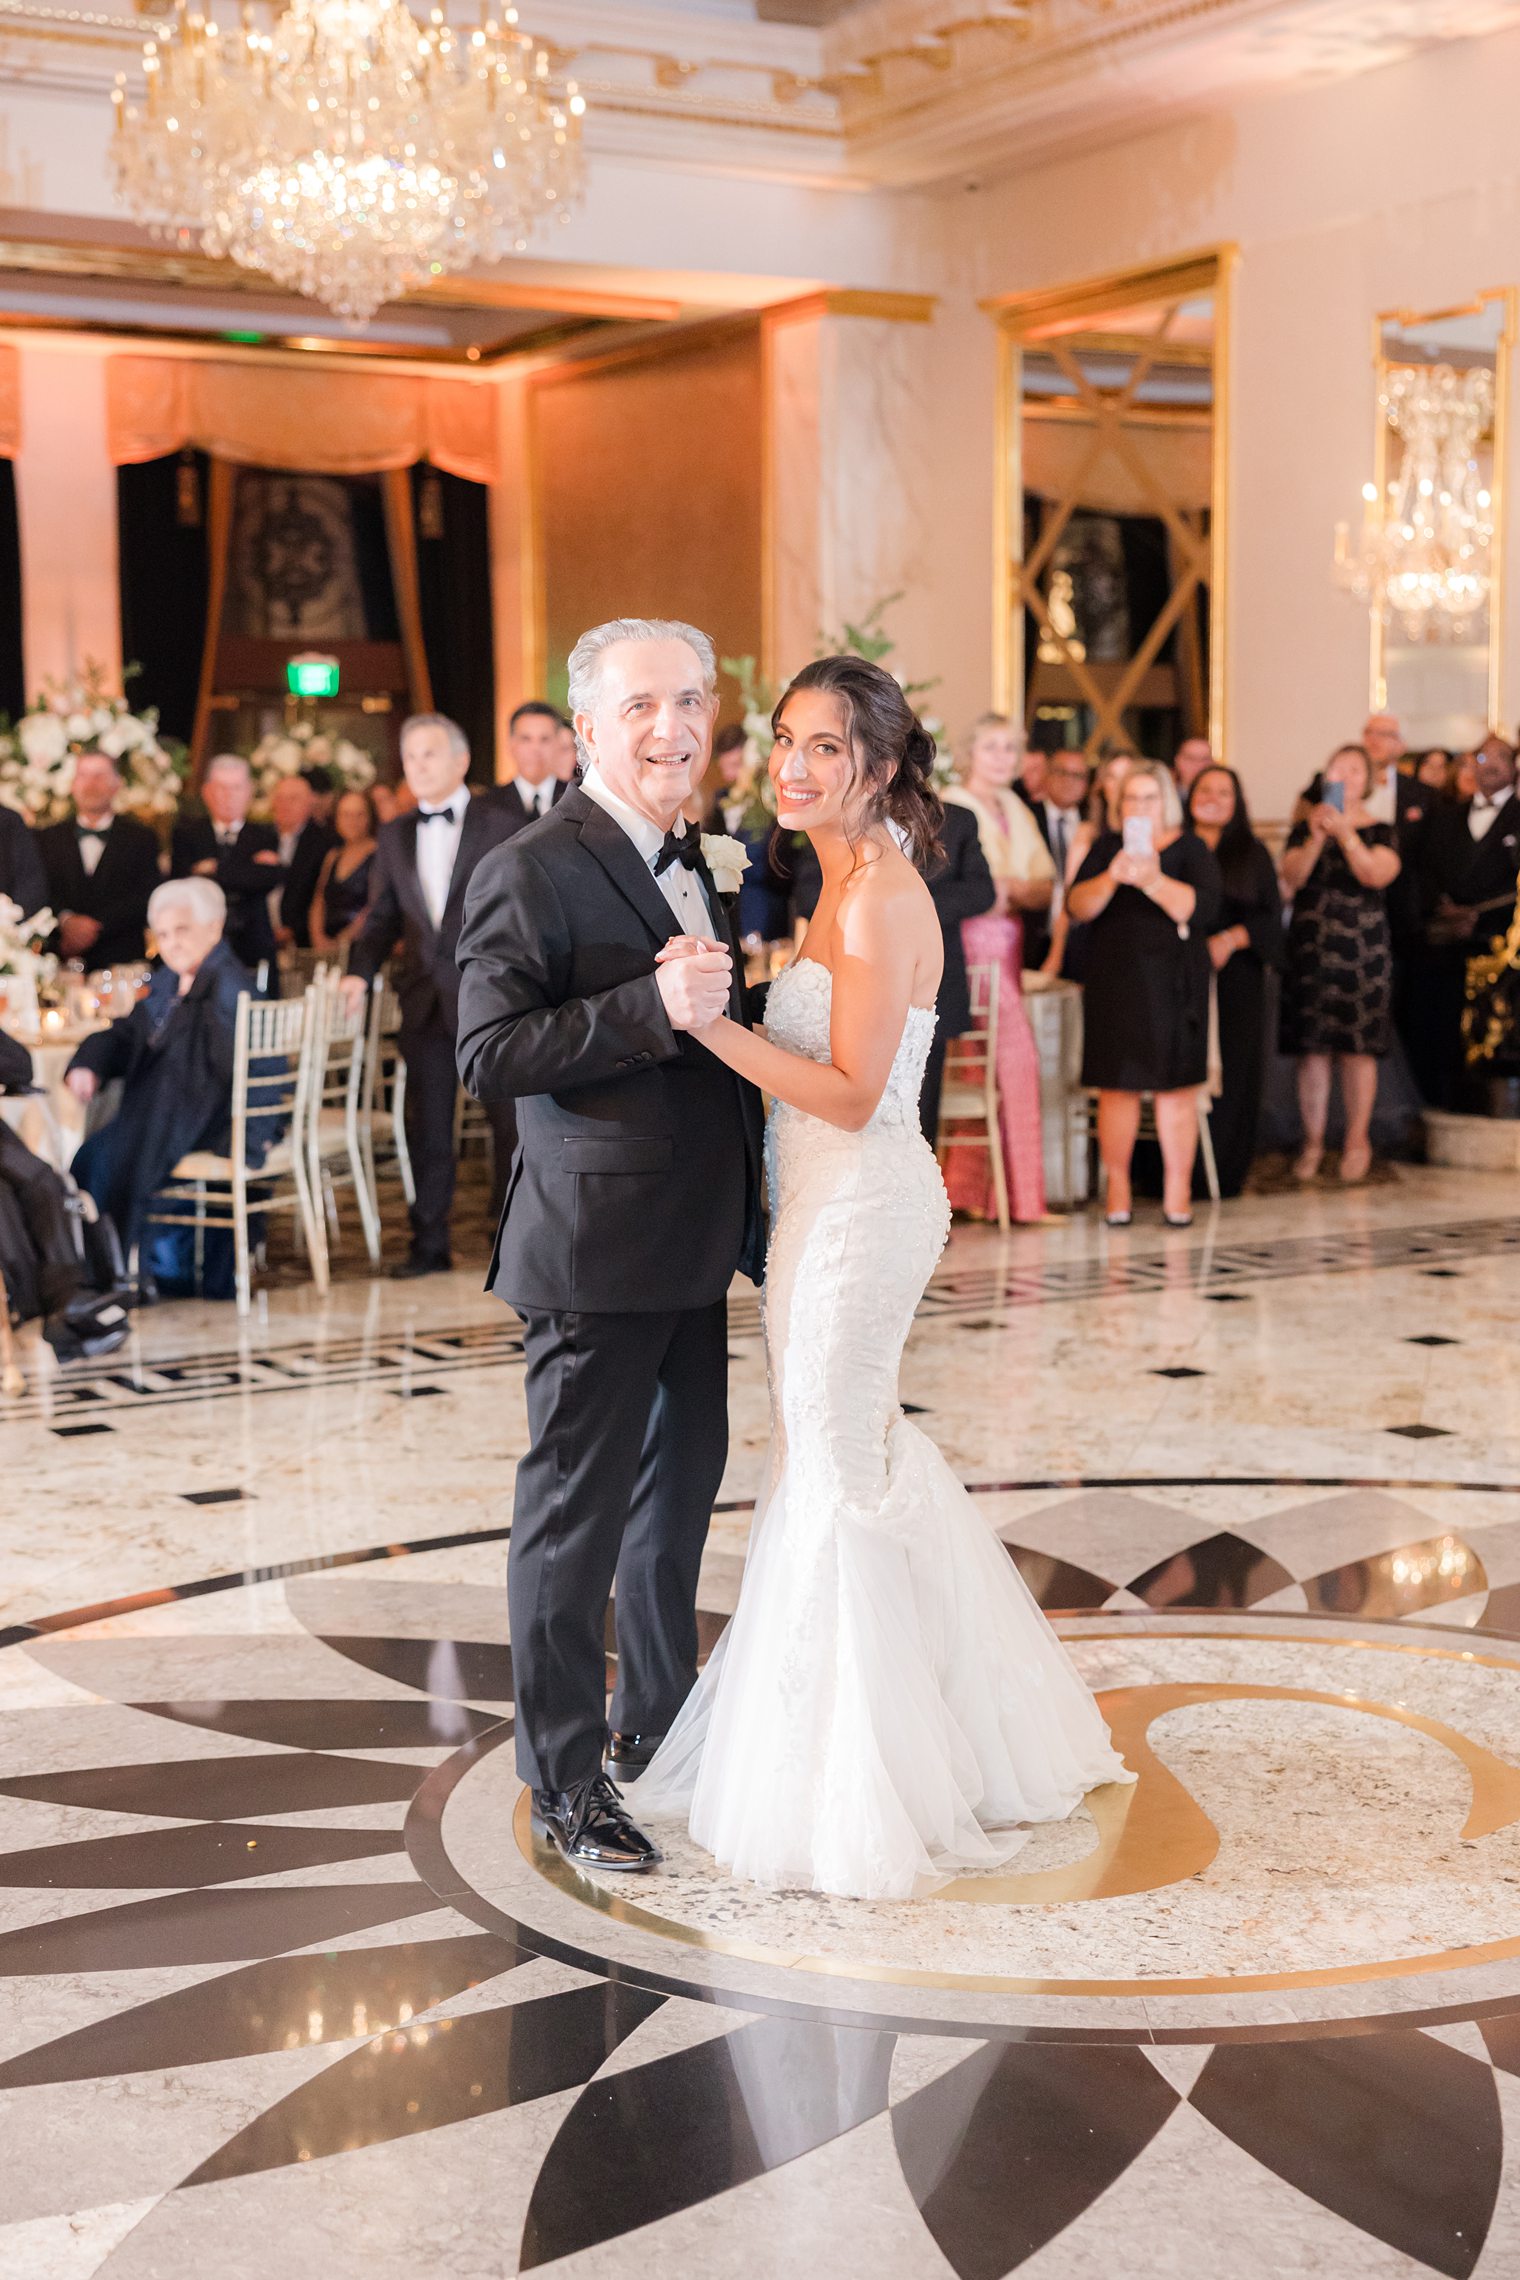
(161, 547)
(12, 670)
(454, 582)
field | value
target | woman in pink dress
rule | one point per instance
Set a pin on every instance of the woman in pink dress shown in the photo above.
(1020, 862)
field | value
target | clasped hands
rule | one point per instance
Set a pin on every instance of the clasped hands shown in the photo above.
(694, 979)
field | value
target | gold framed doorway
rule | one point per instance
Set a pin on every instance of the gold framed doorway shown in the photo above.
(1111, 505)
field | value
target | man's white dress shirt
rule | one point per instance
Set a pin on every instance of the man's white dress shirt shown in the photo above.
(681, 888)
(437, 847)
(1484, 813)
(537, 798)
(92, 845)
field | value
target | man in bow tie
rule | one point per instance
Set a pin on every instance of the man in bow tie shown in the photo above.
(423, 863)
(101, 868)
(635, 1196)
(242, 856)
(1467, 858)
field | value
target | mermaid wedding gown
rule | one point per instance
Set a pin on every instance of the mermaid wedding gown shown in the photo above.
(888, 1702)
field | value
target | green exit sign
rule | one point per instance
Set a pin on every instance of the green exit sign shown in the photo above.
(312, 676)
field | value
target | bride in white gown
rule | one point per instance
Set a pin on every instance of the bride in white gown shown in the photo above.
(888, 1704)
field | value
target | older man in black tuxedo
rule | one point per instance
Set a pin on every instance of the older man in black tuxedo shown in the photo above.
(101, 869)
(304, 842)
(22, 877)
(635, 1196)
(423, 864)
(242, 857)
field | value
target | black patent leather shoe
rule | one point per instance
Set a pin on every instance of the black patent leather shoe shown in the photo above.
(591, 1827)
(628, 1755)
(421, 1263)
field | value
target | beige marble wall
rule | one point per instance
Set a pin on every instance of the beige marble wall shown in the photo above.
(66, 502)
(850, 405)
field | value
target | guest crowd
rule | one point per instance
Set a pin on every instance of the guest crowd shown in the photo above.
(1197, 954)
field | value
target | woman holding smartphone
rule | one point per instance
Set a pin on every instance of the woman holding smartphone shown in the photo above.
(1337, 1000)
(1149, 894)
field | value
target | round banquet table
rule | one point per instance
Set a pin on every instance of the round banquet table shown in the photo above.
(51, 1122)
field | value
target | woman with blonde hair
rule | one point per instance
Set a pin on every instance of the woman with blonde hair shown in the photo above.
(1150, 895)
(1021, 866)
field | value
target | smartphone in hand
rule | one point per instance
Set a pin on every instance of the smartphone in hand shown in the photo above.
(1139, 836)
(1335, 796)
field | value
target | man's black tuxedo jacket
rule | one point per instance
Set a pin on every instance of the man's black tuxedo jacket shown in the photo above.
(22, 876)
(636, 1184)
(1493, 870)
(243, 881)
(116, 892)
(313, 842)
(511, 802)
(426, 976)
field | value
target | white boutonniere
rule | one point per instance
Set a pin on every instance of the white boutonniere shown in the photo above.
(726, 859)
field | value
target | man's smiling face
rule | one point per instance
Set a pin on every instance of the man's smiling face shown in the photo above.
(649, 731)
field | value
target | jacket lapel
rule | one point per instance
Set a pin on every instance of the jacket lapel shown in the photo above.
(472, 839)
(602, 836)
(410, 880)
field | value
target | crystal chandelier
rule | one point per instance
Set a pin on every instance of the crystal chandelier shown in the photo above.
(349, 151)
(1425, 560)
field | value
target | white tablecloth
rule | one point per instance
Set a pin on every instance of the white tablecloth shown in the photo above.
(51, 1122)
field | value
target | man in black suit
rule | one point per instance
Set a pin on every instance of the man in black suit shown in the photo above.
(635, 1196)
(242, 857)
(22, 877)
(303, 845)
(101, 868)
(962, 887)
(1465, 860)
(423, 863)
(534, 733)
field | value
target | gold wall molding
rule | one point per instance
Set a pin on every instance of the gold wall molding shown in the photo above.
(1030, 315)
(890, 308)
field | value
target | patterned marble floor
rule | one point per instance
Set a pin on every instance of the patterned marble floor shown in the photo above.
(287, 1988)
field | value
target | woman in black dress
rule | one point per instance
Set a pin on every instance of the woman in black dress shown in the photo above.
(343, 884)
(1338, 988)
(1246, 942)
(1146, 1003)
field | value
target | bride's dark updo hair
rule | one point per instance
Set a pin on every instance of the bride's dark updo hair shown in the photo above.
(893, 750)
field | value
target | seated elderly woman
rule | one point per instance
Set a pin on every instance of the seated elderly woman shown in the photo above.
(174, 1056)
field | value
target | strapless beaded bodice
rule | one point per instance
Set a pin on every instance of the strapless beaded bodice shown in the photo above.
(797, 1019)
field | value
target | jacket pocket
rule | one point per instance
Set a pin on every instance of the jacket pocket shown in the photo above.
(587, 1154)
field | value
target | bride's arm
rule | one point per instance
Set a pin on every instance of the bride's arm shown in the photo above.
(873, 985)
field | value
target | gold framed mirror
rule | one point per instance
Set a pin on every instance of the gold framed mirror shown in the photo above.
(1431, 562)
(1111, 504)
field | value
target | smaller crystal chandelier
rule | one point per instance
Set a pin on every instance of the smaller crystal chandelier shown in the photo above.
(349, 152)
(1425, 560)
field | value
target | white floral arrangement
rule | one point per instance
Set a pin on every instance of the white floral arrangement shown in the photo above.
(24, 968)
(727, 860)
(38, 754)
(291, 751)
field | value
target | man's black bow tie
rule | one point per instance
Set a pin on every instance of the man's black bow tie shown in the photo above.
(679, 847)
(435, 815)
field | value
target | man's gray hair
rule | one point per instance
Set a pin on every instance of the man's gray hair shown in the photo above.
(586, 656)
(203, 898)
(458, 741)
(226, 760)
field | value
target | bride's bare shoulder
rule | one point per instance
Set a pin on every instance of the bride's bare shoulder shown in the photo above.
(889, 894)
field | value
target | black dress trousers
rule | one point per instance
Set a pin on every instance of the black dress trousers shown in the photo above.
(431, 1086)
(628, 1420)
